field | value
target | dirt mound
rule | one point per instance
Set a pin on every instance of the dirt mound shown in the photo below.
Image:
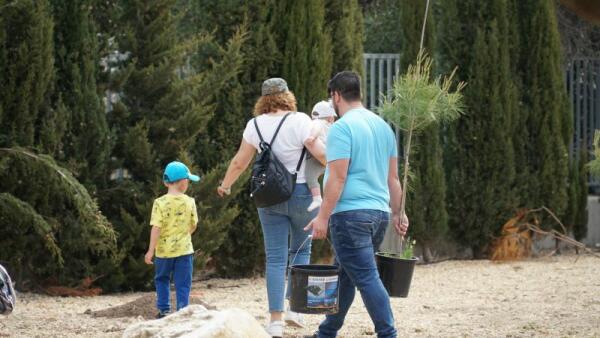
(144, 306)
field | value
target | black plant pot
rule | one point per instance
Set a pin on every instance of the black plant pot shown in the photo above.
(395, 273)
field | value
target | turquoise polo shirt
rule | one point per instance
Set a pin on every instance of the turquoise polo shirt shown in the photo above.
(369, 142)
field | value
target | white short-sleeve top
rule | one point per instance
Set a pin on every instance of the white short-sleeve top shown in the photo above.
(289, 142)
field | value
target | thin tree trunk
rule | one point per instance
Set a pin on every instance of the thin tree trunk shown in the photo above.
(392, 242)
(427, 255)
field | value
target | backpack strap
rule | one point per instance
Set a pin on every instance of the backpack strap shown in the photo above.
(258, 131)
(263, 144)
(301, 159)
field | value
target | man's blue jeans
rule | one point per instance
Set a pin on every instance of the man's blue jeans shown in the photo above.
(356, 235)
(181, 269)
(283, 232)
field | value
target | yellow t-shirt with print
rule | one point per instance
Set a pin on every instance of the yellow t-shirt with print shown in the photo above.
(176, 216)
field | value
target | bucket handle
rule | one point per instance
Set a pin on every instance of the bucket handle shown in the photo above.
(309, 237)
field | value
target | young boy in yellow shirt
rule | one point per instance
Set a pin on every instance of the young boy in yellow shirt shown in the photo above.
(174, 219)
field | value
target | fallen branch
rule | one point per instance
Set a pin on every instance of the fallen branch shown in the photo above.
(517, 236)
(561, 237)
(212, 286)
(84, 289)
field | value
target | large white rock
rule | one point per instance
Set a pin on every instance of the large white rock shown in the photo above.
(198, 322)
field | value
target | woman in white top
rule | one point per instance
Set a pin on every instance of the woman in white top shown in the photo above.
(282, 224)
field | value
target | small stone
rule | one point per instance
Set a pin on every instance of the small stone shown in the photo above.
(112, 328)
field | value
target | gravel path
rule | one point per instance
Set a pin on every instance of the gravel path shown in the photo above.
(547, 297)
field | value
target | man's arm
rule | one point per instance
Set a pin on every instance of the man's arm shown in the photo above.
(400, 221)
(338, 171)
(394, 186)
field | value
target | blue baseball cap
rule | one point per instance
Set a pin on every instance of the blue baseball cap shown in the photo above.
(176, 171)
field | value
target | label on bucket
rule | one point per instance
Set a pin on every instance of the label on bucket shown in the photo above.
(322, 292)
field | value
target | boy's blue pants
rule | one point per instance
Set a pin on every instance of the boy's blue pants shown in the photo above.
(181, 269)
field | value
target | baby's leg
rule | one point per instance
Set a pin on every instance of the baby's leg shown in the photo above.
(316, 192)
(314, 169)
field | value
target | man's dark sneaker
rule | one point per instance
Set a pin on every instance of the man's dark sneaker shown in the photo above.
(162, 314)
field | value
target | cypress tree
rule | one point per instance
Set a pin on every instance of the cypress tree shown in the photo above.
(344, 20)
(239, 255)
(26, 65)
(381, 26)
(50, 227)
(164, 106)
(480, 153)
(549, 119)
(218, 142)
(307, 54)
(86, 143)
(24, 232)
(243, 255)
(3, 63)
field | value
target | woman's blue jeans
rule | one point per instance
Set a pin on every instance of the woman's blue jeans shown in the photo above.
(283, 232)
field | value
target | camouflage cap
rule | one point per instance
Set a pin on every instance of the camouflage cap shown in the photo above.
(274, 86)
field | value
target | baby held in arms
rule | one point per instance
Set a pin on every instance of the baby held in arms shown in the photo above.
(323, 116)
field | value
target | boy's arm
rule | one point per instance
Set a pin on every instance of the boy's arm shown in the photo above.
(193, 227)
(194, 224)
(154, 235)
(156, 222)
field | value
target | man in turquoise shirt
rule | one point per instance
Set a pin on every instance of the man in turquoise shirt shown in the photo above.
(362, 195)
(369, 142)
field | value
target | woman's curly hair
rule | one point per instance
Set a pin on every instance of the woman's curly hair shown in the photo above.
(271, 103)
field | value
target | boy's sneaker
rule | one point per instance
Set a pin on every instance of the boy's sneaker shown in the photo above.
(162, 314)
(294, 319)
(275, 329)
(316, 203)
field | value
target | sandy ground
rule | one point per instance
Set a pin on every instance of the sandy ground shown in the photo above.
(546, 297)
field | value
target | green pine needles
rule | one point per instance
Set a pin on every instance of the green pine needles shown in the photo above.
(50, 226)
(417, 102)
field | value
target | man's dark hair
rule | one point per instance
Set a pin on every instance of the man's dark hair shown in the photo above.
(346, 83)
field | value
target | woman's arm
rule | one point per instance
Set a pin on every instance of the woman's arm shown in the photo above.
(238, 165)
(317, 149)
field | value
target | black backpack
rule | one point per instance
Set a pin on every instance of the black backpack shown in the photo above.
(271, 182)
(8, 296)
